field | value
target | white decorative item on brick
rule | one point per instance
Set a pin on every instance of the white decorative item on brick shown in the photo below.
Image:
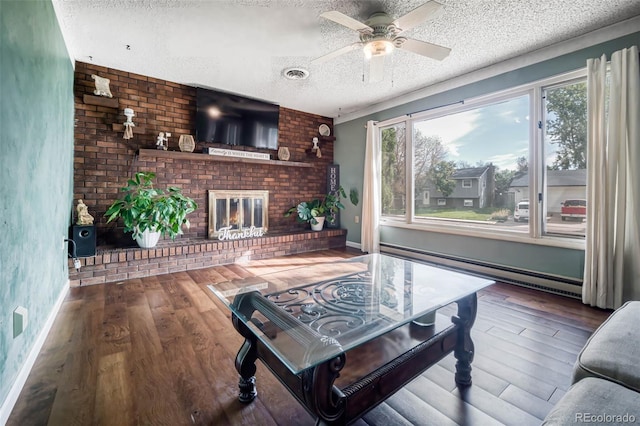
(128, 125)
(102, 86)
(239, 154)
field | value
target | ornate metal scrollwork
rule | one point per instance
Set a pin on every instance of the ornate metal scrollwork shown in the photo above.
(331, 307)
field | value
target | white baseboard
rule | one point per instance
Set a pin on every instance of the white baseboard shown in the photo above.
(16, 388)
(528, 280)
(354, 245)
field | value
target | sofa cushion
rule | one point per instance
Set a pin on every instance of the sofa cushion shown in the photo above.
(613, 351)
(595, 401)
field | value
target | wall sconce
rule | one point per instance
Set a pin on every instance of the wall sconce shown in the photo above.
(316, 148)
(128, 125)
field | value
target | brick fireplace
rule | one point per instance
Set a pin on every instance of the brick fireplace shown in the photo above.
(103, 161)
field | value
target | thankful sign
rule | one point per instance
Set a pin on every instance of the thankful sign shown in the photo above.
(227, 233)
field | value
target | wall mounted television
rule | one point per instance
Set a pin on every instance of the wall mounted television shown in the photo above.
(236, 120)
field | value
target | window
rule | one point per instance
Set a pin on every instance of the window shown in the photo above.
(565, 145)
(486, 143)
(394, 170)
(468, 166)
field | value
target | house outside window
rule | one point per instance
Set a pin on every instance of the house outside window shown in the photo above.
(474, 160)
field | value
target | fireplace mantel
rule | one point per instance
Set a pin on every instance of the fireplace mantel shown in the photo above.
(148, 154)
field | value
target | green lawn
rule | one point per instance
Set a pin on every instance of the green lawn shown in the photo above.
(472, 214)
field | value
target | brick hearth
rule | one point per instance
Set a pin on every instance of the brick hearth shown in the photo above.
(112, 265)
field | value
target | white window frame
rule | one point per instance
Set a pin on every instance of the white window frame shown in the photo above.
(536, 234)
(442, 201)
(468, 203)
(467, 186)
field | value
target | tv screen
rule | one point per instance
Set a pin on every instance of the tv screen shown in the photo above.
(235, 120)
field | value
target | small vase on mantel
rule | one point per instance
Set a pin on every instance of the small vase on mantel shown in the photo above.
(283, 153)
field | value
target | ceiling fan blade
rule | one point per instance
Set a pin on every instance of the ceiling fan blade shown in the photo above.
(423, 48)
(342, 19)
(418, 15)
(376, 68)
(336, 53)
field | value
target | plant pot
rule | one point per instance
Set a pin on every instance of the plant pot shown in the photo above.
(319, 225)
(148, 239)
(426, 320)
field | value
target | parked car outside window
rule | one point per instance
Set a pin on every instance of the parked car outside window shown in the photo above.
(573, 209)
(522, 211)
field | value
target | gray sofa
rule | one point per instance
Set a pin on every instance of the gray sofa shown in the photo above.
(606, 378)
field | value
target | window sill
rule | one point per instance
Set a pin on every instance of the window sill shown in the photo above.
(471, 231)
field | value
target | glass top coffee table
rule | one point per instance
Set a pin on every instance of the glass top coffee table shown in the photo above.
(310, 325)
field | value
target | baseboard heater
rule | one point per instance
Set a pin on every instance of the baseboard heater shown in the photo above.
(553, 284)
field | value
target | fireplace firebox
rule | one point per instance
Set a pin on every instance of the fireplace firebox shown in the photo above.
(238, 214)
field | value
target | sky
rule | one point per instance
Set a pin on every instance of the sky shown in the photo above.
(497, 133)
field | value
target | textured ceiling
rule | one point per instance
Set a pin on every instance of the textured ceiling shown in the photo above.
(243, 46)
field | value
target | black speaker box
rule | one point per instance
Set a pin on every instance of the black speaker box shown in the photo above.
(85, 238)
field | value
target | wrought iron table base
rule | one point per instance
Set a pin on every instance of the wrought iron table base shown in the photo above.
(314, 387)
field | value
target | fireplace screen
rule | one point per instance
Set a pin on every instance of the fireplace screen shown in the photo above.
(238, 212)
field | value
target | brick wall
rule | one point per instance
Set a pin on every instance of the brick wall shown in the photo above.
(104, 160)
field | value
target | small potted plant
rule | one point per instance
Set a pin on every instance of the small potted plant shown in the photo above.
(150, 212)
(318, 210)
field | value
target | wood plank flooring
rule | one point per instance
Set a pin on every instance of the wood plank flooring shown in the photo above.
(161, 350)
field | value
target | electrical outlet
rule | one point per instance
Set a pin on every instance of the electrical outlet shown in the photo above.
(20, 320)
(357, 219)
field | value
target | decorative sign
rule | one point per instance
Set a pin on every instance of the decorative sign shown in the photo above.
(102, 86)
(227, 233)
(333, 183)
(234, 153)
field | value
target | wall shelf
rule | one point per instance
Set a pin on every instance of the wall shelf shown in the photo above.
(149, 154)
(100, 101)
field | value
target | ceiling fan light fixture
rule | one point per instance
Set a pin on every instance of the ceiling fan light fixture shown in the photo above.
(378, 48)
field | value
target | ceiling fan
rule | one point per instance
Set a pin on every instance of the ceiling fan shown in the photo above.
(380, 35)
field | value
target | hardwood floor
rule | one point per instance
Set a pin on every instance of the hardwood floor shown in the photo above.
(161, 350)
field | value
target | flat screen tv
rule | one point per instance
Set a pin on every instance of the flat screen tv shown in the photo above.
(235, 120)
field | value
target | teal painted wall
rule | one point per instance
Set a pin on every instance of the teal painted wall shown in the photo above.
(349, 153)
(36, 168)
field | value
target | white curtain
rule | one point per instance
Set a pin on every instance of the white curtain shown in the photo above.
(612, 255)
(370, 231)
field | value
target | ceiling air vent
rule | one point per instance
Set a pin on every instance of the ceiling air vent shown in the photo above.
(296, 73)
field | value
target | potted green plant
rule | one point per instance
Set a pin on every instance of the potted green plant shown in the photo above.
(318, 210)
(150, 212)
